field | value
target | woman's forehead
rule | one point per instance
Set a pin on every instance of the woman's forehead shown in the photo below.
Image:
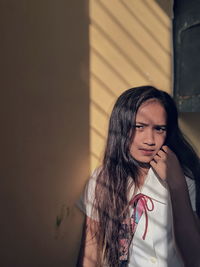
(152, 111)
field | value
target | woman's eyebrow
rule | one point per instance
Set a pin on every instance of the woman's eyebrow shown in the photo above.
(161, 125)
(142, 123)
(146, 124)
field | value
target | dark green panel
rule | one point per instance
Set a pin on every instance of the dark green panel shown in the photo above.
(186, 38)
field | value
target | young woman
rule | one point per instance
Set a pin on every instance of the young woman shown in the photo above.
(141, 204)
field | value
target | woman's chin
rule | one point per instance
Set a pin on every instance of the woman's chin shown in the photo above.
(143, 164)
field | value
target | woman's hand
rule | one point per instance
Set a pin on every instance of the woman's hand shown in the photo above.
(187, 237)
(167, 166)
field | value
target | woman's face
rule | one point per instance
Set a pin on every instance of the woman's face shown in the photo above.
(150, 131)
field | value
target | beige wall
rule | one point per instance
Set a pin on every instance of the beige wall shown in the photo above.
(44, 129)
(130, 45)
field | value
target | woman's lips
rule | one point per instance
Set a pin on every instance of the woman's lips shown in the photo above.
(147, 152)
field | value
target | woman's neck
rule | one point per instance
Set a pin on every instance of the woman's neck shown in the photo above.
(143, 171)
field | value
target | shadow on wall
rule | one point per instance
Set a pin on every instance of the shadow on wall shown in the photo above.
(45, 129)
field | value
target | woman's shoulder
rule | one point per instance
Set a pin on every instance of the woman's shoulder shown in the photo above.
(96, 172)
(91, 183)
(86, 200)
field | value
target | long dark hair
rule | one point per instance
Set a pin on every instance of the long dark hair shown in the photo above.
(112, 188)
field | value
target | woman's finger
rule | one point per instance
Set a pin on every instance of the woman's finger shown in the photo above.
(153, 163)
(156, 158)
(161, 153)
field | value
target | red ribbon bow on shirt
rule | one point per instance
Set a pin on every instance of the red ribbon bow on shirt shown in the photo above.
(128, 226)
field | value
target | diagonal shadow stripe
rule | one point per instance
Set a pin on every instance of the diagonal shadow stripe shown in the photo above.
(98, 132)
(95, 156)
(153, 36)
(159, 18)
(133, 40)
(121, 51)
(103, 85)
(103, 59)
(99, 108)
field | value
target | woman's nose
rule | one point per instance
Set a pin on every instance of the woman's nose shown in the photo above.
(149, 138)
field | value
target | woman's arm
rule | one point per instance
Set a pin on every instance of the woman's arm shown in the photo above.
(88, 250)
(186, 227)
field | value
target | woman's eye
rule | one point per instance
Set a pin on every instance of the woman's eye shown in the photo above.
(161, 129)
(139, 127)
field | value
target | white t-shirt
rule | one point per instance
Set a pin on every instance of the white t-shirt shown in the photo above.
(158, 249)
